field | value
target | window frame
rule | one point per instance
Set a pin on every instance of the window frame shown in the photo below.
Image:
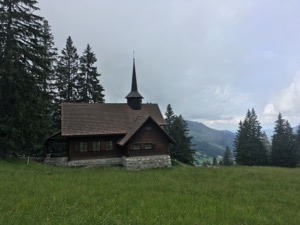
(83, 146)
(148, 146)
(108, 145)
(136, 147)
(96, 146)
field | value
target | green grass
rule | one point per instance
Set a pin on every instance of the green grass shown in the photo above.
(41, 194)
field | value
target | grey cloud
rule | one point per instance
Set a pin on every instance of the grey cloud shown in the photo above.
(211, 60)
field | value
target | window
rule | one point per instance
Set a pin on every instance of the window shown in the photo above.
(83, 146)
(96, 146)
(108, 145)
(148, 146)
(136, 146)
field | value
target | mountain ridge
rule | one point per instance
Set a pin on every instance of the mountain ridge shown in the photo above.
(209, 141)
(213, 142)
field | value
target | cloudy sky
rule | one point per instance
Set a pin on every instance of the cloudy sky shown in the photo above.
(210, 59)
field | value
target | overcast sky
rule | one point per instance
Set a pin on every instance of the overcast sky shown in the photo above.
(210, 59)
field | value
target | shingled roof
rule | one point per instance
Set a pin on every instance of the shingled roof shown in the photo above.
(83, 119)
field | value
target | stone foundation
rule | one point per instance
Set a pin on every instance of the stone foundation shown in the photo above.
(96, 162)
(146, 162)
(132, 163)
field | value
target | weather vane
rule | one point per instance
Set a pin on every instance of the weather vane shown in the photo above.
(133, 55)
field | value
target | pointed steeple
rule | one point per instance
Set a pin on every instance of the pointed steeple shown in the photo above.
(134, 98)
(134, 83)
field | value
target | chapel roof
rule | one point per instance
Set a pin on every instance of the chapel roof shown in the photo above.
(86, 119)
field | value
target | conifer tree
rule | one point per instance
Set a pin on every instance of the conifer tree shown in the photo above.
(283, 144)
(249, 149)
(215, 161)
(297, 143)
(67, 73)
(50, 57)
(23, 118)
(49, 86)
(227, 157)
(182, 150)
(169, 118)
(177, 128)
(89, 87)
(239, 143)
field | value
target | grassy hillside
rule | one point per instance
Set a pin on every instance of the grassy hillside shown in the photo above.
(40, 194)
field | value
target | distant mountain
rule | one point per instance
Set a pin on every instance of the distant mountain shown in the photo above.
(213, 142)
(209, 141)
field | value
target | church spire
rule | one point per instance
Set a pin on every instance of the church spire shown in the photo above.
(134, 98)
(134, 83)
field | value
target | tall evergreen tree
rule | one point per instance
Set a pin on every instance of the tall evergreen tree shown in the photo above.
(49, 56)
(89, 87)
(169, 118)
(283, 144)
(182, 150)
(49, 85)
(177, 128)
(23, 118)
(249, 149)
(239, 143)
(215, 161)
(227, 157)
(67, 73)
(297, 143)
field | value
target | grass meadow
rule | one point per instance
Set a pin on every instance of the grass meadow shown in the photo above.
(40, 194)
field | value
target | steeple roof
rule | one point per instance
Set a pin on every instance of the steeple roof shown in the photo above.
(134, 88)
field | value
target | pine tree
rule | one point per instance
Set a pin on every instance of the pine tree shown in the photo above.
(23, 117)
(227, 157)
(297, 143)
(177, 128)
(283, 144)
(187, 146)
(49, 86)
(170, 117)
(89, 87)
(249, 149)
(67, 73)
(239, 142)
(215, 161)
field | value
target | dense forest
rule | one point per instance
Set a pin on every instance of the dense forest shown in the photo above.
(253, 148)
(35, 79)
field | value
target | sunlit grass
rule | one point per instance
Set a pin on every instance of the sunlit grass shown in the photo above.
(41, 194)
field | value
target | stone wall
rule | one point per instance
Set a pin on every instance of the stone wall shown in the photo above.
(96, 162)
(132, 163)
(146, 162)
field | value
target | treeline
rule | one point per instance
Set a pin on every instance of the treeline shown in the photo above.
(253, 148)
(75, 79)
(35, 79)
(177, 128)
